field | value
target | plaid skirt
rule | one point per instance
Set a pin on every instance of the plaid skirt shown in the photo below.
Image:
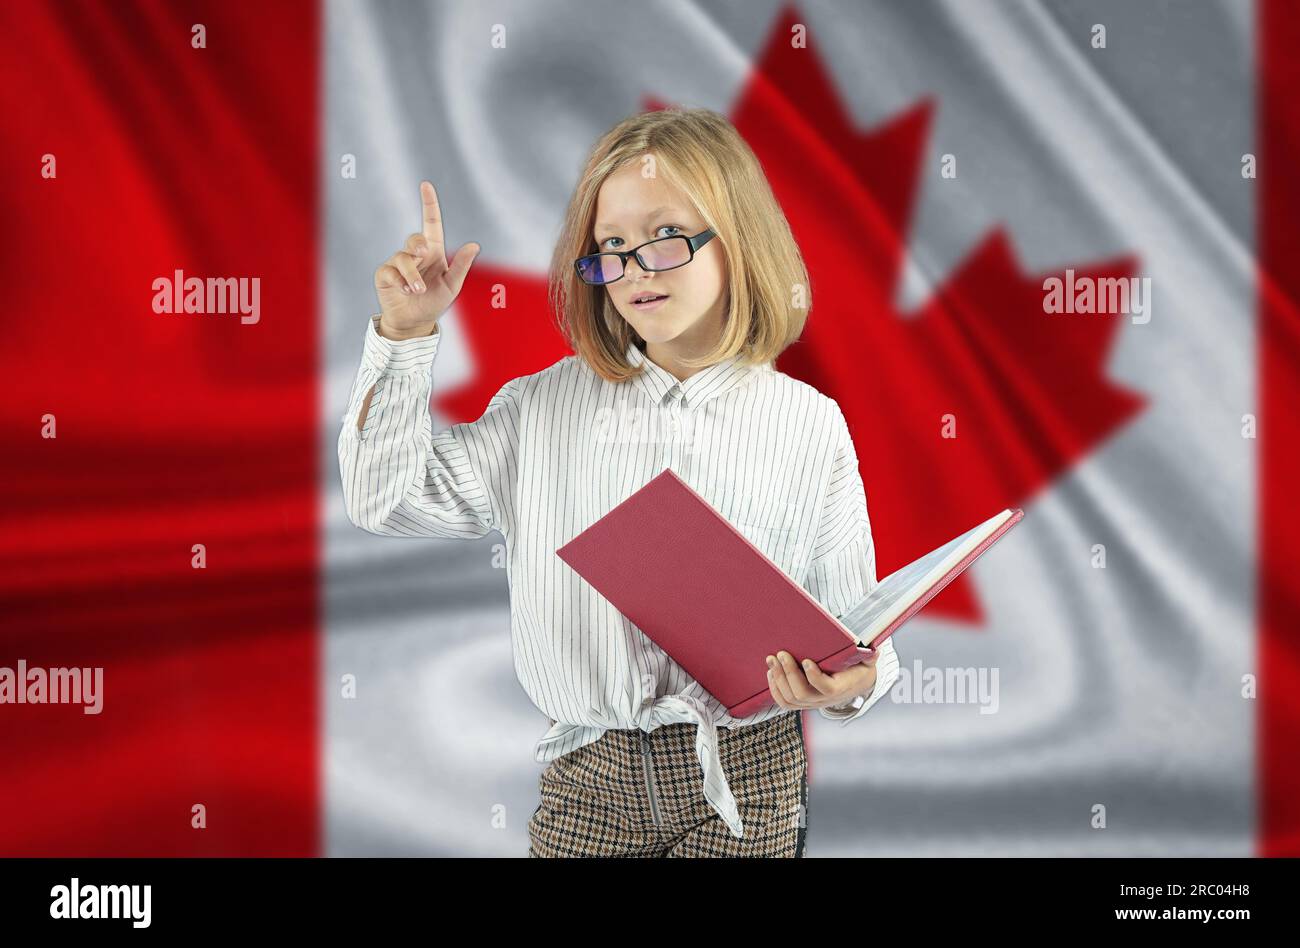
(637, 793)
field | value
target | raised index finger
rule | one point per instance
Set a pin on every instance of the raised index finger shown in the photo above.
(432, 219)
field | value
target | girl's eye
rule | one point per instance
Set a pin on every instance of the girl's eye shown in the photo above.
(605, 242)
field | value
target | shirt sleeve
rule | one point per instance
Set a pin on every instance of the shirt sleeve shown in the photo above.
(886, 675)
(843, 568)
(402, 479)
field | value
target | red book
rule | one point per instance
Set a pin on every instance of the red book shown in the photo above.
(698, 588)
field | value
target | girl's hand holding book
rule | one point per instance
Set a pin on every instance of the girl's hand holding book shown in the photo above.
(804, 685)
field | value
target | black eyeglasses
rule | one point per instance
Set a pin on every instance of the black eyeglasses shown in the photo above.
(664, 253)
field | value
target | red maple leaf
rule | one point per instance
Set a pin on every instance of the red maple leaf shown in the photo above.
(1026, 389)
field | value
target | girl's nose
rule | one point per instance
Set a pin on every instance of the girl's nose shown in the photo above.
(628, 267)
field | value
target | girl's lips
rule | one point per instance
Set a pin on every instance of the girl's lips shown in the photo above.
(652, 304)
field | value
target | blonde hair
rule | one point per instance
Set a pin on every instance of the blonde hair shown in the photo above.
(700, 152)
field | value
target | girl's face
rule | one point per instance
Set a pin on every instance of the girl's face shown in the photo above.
(630, 210)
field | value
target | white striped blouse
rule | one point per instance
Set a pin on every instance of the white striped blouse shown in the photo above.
(555, 451)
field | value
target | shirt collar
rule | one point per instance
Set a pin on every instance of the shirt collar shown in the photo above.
(660, 384)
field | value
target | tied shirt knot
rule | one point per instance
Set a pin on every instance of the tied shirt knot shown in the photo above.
(668, 709)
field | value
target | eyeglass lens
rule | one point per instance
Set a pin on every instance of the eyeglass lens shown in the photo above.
(658, 255)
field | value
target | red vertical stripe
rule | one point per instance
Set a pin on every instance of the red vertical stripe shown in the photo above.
(172, 430)
(1278, 739)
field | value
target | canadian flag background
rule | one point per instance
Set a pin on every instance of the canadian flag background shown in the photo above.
(1158, 690)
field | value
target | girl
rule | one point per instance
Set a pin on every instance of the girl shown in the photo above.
(673, 281)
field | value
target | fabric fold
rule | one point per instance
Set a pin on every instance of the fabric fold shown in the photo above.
(687, 709)
(564, 737)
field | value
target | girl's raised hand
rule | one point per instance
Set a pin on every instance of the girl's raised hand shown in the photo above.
(418, 284)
